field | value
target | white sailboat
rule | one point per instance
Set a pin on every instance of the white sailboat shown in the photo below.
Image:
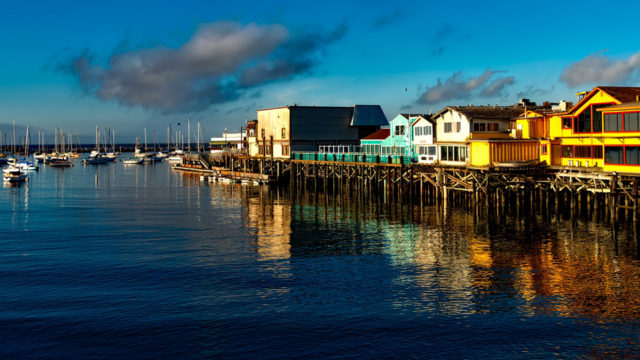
(96, 158)
(13, 175)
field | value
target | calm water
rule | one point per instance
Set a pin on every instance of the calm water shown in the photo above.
(139, 262)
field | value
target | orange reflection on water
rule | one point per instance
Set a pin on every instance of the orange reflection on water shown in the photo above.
(585, 280)
(271, 224)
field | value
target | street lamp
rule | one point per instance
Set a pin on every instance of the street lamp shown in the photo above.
(226, 146)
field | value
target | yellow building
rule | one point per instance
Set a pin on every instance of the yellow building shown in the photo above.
(581, 136)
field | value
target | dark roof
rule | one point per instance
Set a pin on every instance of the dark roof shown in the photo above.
(368, 115)
(378, 135)
(408, 116)
(488, 112)
(622, 93)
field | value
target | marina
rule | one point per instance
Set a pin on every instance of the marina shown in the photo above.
(348, 180)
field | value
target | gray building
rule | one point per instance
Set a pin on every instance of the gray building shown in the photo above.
(280, 131)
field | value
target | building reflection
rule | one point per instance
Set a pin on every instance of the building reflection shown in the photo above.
(454, 263)
(268, 219)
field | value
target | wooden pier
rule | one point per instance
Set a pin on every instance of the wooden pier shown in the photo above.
(533, 189)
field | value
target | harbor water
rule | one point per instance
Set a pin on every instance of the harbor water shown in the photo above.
(141, 262)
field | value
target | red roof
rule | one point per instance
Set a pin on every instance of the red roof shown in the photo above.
(378, 135)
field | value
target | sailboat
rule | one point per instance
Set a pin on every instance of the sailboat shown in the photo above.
(96, 158)
(159, 155)
(24, 164)
(13, 175)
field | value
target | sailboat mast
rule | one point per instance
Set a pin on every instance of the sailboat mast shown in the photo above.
(188, 134)
(145, 139)
(13, 138)
(26, 143)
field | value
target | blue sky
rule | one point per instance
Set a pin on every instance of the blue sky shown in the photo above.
(128, 65)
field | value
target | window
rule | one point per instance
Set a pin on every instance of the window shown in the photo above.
(613, 155)
(476, 126)
(597, 117)
(566, 122)
(447, 127)
(458, 126)
(285, 149)
(631, 121)
(632, 155)
(399, 130)
(450, 153)
(431, 150)
(567, 151)
(263, 134)
(612, 122)
(416, 131)
(252, 132)
(482, 127)
(284, 133)
(597, 152)
(582, 151)
(543, 149)
(589, 120)
(583, 121)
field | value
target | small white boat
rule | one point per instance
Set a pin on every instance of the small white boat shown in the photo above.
(111, 156)
(22, 164)
(13, 175)
(175, 159)
(133, 161)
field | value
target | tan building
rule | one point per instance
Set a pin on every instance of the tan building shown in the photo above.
(279, 131)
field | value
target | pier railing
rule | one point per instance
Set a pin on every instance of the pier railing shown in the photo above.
(351, 157)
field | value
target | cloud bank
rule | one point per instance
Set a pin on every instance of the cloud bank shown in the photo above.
(457, 87)
(221, 62)
(602, 70)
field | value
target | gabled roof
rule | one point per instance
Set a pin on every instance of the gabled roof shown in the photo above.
(378, 135)
(621, 93)
(421, 117)
(368, 115)
(485, 112)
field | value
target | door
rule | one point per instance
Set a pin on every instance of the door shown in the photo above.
(556, 154)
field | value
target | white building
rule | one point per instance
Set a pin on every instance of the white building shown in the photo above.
(456, 125)
(423, 149)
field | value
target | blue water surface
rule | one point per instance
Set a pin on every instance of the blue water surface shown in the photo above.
(141, 262)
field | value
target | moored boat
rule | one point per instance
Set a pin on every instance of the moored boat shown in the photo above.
(133, 161)
(60, 162)
(97, 160)
(13, 175)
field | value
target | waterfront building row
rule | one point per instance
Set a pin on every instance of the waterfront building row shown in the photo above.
(602, 132)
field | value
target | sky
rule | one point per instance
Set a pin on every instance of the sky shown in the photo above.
(131, 65)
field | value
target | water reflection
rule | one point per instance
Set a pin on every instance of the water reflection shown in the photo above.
(453, 263)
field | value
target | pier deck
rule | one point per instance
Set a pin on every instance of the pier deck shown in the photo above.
(577, 189)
